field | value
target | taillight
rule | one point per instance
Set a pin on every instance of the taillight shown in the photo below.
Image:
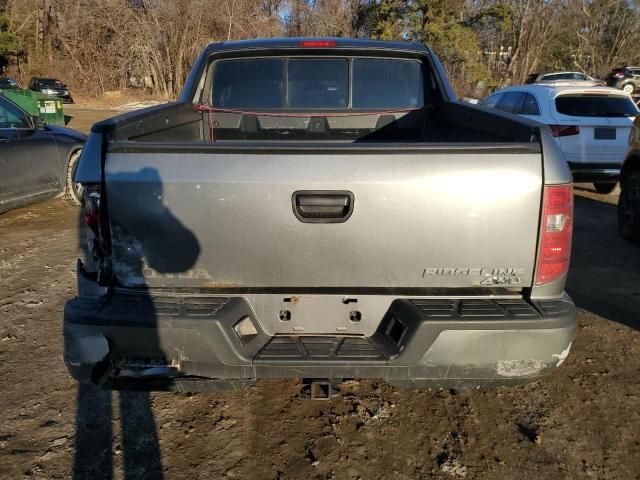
(91, 202)
(318, 43)
(564, 130)
(92, 218)
(556, 230)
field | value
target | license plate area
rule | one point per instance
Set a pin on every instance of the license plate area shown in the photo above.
(604, 134)
(318, 314)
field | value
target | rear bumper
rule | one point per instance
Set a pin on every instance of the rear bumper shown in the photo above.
(136, 340)
(595, 172)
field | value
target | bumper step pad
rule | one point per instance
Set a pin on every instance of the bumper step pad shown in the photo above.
(318, 348)
(447, 309)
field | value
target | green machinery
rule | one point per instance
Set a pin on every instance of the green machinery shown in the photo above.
(38, 104)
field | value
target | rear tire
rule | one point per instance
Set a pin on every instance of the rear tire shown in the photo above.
(629, 208)
(73, 191)
(604, 188)
(628, 88)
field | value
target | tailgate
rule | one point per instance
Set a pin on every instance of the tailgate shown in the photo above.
(205, 217)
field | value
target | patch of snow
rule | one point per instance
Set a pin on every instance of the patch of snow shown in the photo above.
(128, 107)
(454, 468)
(562, 356)
(519, 368)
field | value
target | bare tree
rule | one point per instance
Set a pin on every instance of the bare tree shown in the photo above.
(606, 33)
(101, 45)
(531, 28)
(317, 18)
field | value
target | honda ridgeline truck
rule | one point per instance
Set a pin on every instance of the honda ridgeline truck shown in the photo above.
(320, 209)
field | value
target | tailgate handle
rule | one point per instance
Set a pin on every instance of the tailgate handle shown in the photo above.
(322, 206)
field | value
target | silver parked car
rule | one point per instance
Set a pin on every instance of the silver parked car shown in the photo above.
(577, 79)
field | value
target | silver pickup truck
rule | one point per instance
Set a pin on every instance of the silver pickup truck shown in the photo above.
(321, 209)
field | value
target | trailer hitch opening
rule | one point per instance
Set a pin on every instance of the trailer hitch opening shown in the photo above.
(319, 389)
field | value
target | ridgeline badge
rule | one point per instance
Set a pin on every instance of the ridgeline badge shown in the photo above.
(489, 276)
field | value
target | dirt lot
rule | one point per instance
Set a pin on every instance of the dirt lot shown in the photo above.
(582, 422)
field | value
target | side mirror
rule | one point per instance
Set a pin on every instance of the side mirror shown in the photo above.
(37, 121)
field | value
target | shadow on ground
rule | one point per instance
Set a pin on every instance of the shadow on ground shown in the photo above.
(605, 269)
(94, 446)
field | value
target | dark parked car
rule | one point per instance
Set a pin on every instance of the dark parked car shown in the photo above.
(626, 79)
(629, 201)
(37, 161)
(51, 86)
(8, 83)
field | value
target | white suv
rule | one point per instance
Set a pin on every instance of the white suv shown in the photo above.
(591, 125)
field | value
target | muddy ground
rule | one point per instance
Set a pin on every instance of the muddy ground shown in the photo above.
(581, 422)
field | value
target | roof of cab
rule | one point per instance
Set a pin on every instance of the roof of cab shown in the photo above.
(296, 42)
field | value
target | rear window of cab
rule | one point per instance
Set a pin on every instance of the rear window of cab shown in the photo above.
(590, 105)
(317, 83)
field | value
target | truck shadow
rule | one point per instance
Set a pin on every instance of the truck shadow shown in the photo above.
(604, 277)
(95, 448)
